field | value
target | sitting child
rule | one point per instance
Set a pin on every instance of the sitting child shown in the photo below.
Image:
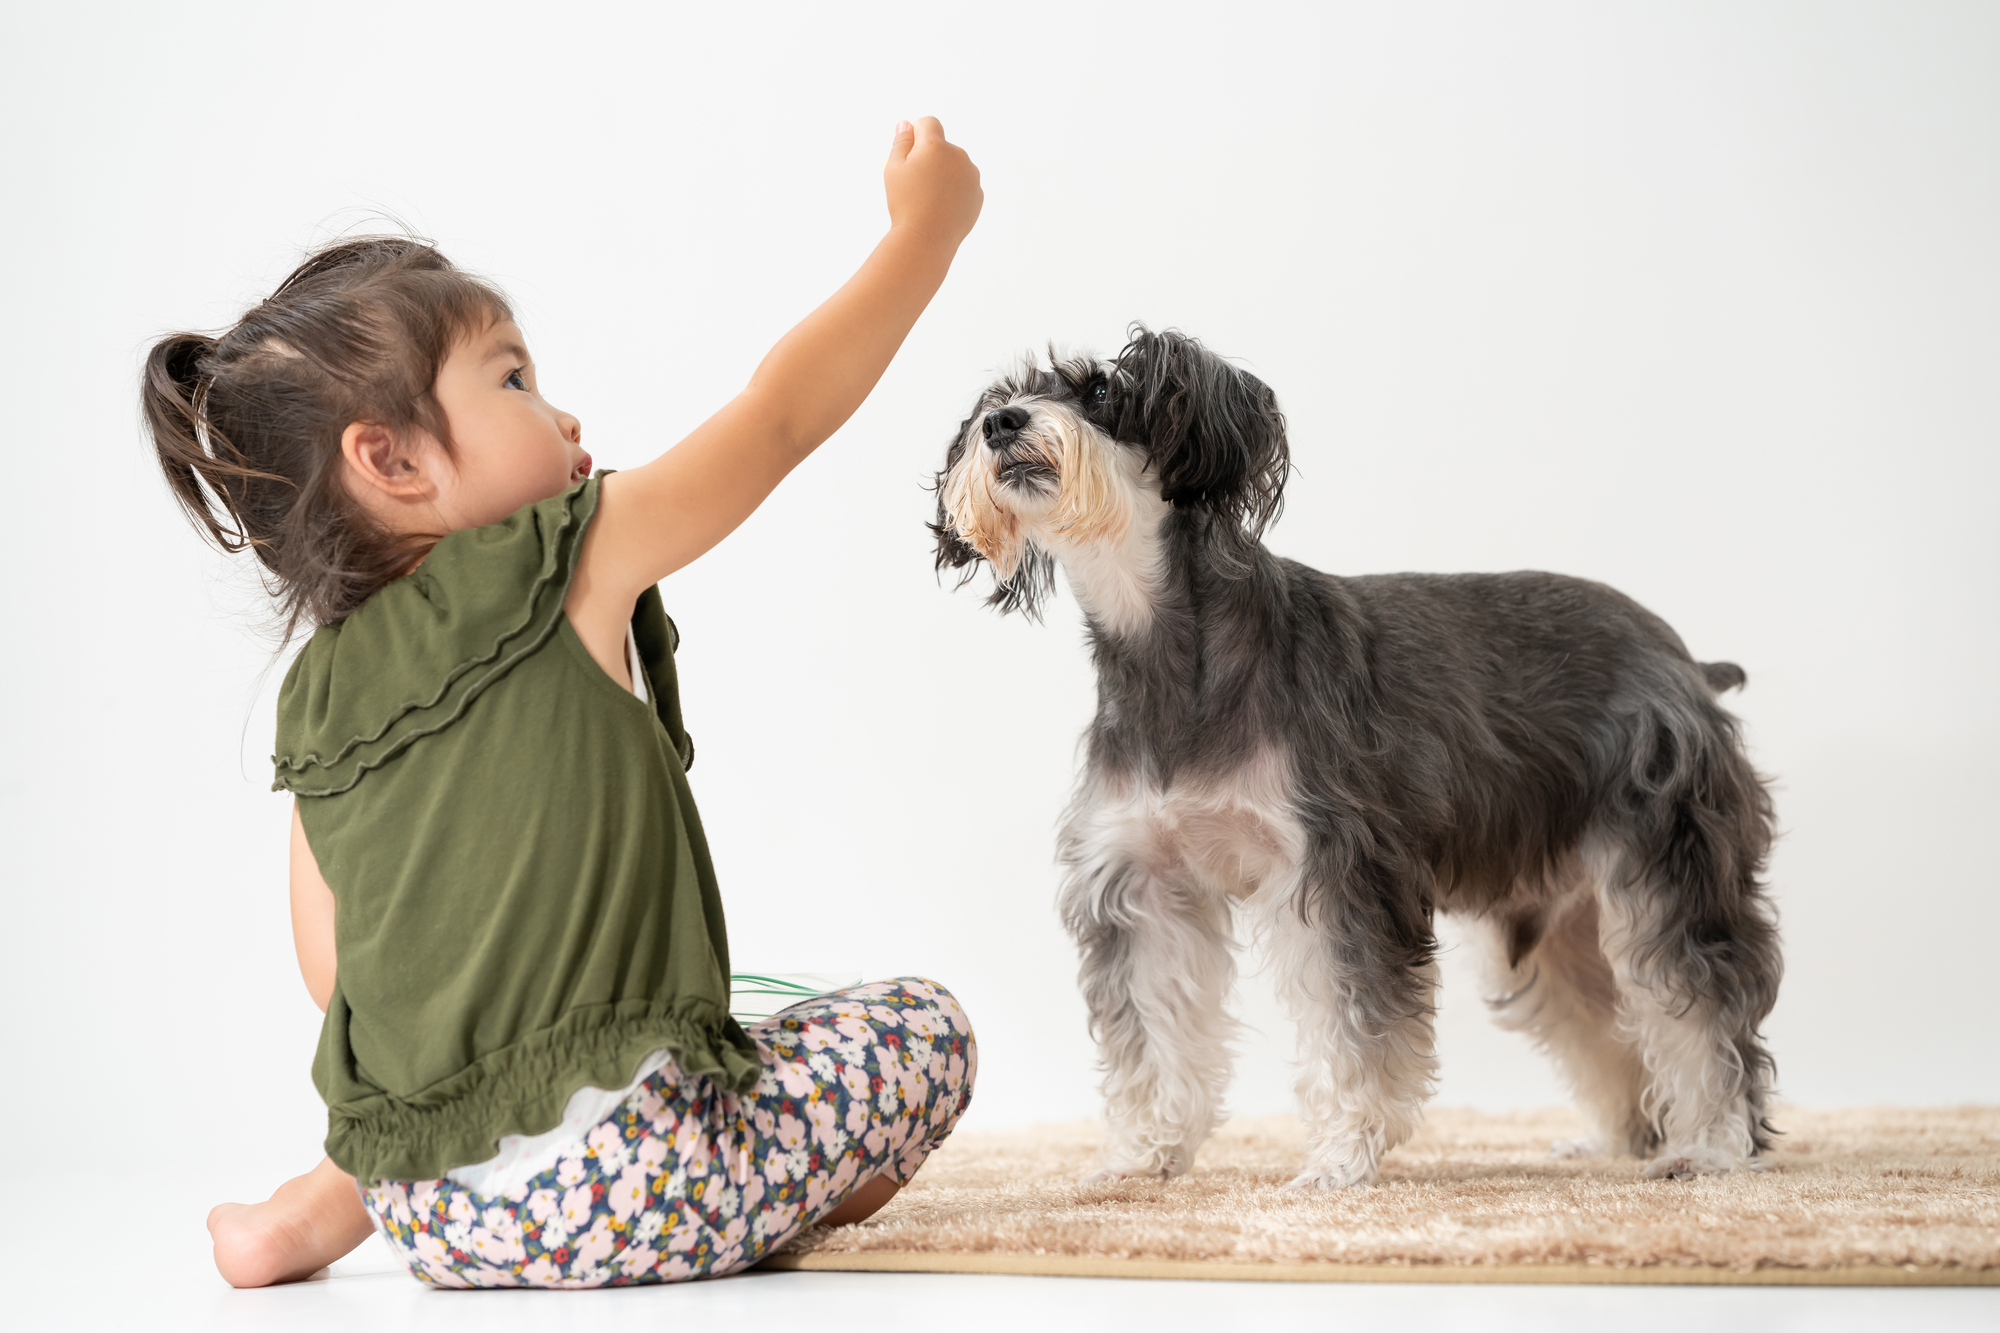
(531, 1074)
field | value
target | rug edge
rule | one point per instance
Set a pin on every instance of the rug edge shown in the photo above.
(1070, 1265)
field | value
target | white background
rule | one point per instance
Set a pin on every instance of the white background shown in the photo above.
(1699, 300)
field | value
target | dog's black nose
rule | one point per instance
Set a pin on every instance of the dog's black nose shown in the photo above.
(1004, 419)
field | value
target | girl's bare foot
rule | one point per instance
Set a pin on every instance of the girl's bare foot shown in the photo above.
(306, 1225)
(863, 1203)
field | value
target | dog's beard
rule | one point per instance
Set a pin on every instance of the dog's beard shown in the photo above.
(1000, 519)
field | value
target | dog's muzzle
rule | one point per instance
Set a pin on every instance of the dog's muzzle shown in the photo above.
(1017, 461)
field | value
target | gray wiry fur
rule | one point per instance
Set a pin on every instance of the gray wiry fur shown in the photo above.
(1335, 759)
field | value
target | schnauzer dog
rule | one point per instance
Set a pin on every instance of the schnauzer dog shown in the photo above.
(1336, 759)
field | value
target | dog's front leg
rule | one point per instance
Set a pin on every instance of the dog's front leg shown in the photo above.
(1363, 999)
(1157, 965)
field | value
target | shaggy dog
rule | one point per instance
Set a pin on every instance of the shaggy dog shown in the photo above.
(1336, 759)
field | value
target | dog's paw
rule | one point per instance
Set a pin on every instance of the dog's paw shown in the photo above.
(1307, 1182)
(1687, 1163)
(1106, 1176)
(1160, 1171)
(1563, 1149)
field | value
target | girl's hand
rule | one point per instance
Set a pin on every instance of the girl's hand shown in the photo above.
(654, 519)
(932, 185)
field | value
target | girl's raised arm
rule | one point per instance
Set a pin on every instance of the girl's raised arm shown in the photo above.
(654, 519)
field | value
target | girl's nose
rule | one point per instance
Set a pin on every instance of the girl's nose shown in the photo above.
(572, 429)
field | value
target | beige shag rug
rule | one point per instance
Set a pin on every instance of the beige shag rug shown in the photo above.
(1860, 1197)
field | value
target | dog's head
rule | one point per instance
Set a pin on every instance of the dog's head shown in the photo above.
(1061, 456)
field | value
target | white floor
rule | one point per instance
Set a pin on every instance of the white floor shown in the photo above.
(171, 1289)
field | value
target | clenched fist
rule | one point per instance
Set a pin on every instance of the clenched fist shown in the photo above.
(932, 185)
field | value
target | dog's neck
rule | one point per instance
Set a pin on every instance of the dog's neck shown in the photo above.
(1118, 582)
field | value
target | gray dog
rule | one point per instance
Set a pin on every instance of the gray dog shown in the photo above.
(1337, 758)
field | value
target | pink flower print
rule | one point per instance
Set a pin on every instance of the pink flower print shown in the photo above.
(907, 1164)
(816, 1191)
(936, 1066)
(791, 1132)
(575, 1208)
(766, 1123)
(496, 1249)
(637, 1259)
(854, 1027)
(753, 1192)
(843, 1175)
(627, 1194)
(874, 1140)
(691, 1146)
(541, 1273)
(460, 1209)
(774, 1222)
(430, 1250)
(424, 1194)
(855, 1079)
(683, 1237)
(857, 1116)
(821, 1117)
(676, 1268)
(774, 1167)
(884, 1016)
(923, 1023)
(652, 1106)
(541, 1204)
(898, 1131)
(569, 1170)
(726, 1260)
(875, 989)
(489, 1277)
(596, 1245)
(652, 1155)
(797, 1079)
(609, 1144)
(817, 1038)
(399, 1203)
(734, 1233)
(603, 1137)
(956, 1073)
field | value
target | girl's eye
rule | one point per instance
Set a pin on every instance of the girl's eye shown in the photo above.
(514, 381)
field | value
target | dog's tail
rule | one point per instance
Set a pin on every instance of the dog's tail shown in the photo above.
(1723, 676)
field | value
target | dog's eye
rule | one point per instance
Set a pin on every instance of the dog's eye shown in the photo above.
(1098, 391)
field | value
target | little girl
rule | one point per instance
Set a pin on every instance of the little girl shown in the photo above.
(501, 896)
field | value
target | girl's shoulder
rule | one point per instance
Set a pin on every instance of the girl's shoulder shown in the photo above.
(416, 654)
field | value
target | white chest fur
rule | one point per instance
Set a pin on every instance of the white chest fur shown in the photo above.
(1236, 836)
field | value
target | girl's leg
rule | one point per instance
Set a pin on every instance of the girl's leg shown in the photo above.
(306, 1225)
(685, 1182)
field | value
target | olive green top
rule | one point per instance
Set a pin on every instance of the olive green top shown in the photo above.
(525, 904)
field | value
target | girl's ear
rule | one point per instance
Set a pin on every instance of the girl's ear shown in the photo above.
(383, 464)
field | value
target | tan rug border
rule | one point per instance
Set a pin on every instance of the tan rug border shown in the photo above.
(1068, 1265)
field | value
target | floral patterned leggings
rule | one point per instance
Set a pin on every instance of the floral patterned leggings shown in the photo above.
(683, 1181)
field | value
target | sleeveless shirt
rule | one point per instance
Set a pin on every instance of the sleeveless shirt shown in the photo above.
(524, 899)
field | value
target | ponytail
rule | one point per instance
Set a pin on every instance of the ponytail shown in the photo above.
(199, 473)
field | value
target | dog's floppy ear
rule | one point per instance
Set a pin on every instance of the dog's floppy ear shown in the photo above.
(953, 551)
(1214, 433)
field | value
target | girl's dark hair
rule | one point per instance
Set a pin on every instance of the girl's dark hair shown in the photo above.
(248, 425)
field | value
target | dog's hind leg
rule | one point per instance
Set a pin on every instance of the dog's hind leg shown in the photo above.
(1694, 948)
(1157, 964)
(1558, 989)
(1364, 1003)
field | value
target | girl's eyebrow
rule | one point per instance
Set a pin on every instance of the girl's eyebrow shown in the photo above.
(512, 349)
